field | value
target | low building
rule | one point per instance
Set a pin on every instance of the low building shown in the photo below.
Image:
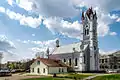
(110, 61)
(44, 66)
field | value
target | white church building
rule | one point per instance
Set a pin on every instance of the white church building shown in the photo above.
(84, 55)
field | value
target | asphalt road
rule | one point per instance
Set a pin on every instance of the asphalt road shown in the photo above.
(17, 77)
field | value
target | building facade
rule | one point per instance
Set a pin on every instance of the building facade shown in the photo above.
(111, 61)
(84, 55)
(43, 66)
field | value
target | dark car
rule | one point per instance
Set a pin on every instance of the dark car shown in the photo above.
(5, 72)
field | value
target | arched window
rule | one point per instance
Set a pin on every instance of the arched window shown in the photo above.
(38, 70)
(87, 31)
(38, 62)
(94, 47)
(76, 62)
(43, 70)
(70, 61)
(59, 70)
(64, 60)
(32, 69)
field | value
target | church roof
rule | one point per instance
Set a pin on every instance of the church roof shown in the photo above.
(69, 48)
(52, 62)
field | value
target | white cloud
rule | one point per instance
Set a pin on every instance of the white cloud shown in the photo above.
(56, 24)
(118, 20)
(10, 2)
(64, 27)
(6, 47)
(102, 52)
(27, 21)
(33, 34)
(26, 4)
(114, 16)
(40, 45)
(113, 33)
(105, 6)
(6, 44)
(49, 7)
(23, 20)
(2, 9)
(104, 19)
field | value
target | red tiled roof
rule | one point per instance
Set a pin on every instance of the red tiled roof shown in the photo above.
(52, 62)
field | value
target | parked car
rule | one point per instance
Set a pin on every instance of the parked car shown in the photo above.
(13, 71)
(5, 72)
(111, 71)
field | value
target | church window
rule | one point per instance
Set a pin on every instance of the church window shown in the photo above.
(64, 60)
(84, 58)
(70, 61)
(76, 61)
(87, 31)
(86, 26)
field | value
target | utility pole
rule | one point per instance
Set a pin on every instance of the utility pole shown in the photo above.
(47, 51)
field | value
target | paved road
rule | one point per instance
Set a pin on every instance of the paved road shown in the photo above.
(17, 77)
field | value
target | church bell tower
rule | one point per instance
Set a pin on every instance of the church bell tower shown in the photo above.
(89, 21)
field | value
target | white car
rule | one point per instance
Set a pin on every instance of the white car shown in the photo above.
(112, 71)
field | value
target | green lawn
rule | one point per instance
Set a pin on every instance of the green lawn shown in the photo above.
(108, 77)
(47, 78)
(78, 76)
(64, 77)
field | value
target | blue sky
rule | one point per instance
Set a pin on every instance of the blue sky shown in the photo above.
(30, 26)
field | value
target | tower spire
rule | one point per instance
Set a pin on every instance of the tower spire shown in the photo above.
(83, 16)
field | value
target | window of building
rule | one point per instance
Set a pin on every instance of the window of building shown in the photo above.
(102, 60)
(62, 70)
(106, 67)
(70, 61)
(32, 69)
(84, 58)
(115, 66)
(87, 31)
(38, 70)
(43, 70)
(94, 47)
(106, 60)
(59, 70)
(38, 62)
(76, 61)
(64, 60)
